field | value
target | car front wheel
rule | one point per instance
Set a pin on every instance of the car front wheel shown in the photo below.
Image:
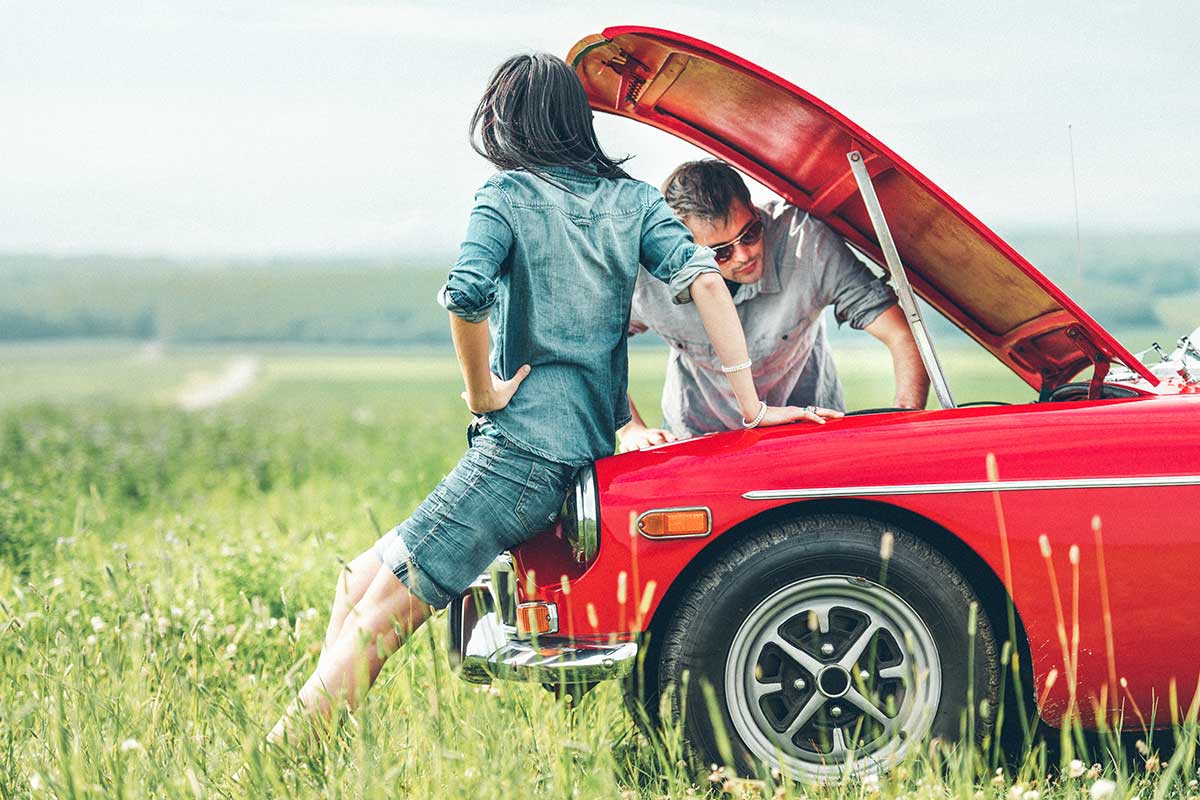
(829, 644)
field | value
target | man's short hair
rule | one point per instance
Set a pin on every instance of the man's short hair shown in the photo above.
(705, 189)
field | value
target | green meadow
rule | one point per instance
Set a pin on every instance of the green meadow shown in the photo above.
(165, 575)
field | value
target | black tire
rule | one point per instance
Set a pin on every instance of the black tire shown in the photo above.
(772, 573)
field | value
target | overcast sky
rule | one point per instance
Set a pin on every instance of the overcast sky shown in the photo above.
(251, 128)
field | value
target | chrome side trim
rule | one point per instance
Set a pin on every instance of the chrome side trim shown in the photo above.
(967, 487)
(638, 523)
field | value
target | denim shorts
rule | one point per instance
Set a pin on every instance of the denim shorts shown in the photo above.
(497, 496)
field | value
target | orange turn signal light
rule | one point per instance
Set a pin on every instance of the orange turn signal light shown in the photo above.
(675, 522)
(537, 618)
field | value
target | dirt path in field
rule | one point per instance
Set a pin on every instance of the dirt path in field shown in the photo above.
(202, 391)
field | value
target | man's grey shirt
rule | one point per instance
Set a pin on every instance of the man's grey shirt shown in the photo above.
(806, 267)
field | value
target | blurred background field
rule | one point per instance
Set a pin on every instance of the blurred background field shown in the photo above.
(164, 572)
(190, 450)
(164, 577)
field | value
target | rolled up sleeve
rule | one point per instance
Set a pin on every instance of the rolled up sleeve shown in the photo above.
(669, 253)
(860, 305)
(470, 289)
(857, 295)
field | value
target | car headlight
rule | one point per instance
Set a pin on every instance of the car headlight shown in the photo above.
(581, 516)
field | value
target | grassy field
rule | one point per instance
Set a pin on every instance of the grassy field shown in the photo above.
(164, 580)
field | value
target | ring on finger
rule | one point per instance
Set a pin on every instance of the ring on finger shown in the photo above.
(810, 410)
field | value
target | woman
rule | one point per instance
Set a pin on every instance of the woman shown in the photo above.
(551, 253)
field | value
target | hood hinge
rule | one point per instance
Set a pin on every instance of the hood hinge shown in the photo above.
(1100, 360)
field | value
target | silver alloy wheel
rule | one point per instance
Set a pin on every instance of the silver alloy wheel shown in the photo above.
(832, 674)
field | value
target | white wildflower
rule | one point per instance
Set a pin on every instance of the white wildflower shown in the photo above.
(230, 649)
(98, 624)
(36, 783)
(164, 625)
(1094, 771)
(870, 784)
(57, 582)
(310, 613)
(91, 640)
(1103, 789)
(129, 745)
(1017, 790)
(1076, 769)
(1032, 794)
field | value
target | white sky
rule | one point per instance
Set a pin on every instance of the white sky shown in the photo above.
(240, 128)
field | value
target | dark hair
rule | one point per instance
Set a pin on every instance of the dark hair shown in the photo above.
(535, 114)
(704, 189)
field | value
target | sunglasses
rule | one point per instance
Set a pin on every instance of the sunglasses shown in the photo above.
(748, 237)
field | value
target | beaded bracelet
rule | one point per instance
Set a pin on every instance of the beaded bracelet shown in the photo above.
(736, 368)
(762, 412)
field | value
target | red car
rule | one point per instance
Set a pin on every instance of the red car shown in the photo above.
(840, 593)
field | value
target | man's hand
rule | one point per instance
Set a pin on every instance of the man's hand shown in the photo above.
(781, 415)
(639, 437)
(500, 395)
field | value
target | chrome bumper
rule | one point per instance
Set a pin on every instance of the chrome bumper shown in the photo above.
(484, 647)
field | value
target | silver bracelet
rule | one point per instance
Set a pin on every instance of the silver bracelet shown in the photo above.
(762, 412)
(737, 368)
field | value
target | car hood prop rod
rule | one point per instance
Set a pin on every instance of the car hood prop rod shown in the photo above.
(908, 301)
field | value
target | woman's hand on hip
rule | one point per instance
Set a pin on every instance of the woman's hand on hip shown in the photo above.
(500, 394)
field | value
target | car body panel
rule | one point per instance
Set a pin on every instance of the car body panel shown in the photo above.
(931, 464)
(796, 145)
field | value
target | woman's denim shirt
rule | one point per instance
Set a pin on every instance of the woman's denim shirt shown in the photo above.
(554, 270)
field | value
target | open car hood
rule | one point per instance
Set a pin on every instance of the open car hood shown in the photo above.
(797, 145)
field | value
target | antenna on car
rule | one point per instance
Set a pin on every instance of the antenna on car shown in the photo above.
(1075, 191)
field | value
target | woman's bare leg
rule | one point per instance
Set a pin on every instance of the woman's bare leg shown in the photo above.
(378, 625)
(352, 584)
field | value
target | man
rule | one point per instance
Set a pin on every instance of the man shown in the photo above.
(783, 269)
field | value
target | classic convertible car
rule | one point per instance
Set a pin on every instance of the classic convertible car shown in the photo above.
(824, 598)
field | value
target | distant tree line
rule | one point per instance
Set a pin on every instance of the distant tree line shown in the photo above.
(1126, 282)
